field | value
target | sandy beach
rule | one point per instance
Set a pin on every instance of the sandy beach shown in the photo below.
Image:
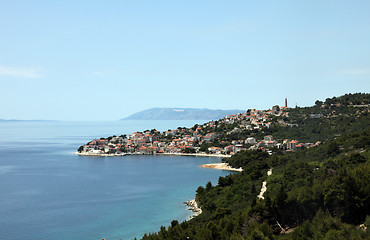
(221, 166)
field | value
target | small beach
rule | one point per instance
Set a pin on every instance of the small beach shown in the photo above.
(197, 154)
(221, 166)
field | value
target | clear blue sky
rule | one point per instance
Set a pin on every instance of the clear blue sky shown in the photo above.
(104, 60)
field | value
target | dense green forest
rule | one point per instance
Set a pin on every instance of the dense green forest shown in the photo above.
(320, 192)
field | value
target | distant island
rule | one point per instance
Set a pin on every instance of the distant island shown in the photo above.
(181, 114)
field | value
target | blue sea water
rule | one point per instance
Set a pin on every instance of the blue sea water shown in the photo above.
(48, 193)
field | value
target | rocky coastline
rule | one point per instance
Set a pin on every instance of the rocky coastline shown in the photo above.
(193, 206)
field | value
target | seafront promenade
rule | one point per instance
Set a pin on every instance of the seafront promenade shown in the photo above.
(137, 153)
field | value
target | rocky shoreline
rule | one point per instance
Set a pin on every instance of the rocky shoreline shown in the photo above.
(193, 206)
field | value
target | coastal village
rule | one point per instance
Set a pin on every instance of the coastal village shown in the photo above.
(215, 138)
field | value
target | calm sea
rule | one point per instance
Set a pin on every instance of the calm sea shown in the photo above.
(48, 193)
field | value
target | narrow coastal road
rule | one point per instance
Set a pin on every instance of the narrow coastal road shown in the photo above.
(264, 186)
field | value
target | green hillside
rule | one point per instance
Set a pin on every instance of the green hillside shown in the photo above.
(320, 192)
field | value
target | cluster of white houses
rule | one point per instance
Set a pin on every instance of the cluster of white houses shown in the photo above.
(189, 140)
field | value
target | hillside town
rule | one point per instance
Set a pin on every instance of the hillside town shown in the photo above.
(215, 138)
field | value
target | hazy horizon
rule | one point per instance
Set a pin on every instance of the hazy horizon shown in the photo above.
(124, 118)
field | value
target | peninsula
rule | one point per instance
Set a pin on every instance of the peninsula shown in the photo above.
(223, 137)
(263, 130)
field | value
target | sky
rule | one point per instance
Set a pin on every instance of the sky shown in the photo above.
(105, 60)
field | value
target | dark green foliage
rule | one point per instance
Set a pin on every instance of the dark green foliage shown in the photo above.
(249, 160)
(209, 186)
(225, 181)
(204, 147)
(189, 150)
(324, 226)
(174, 223)
(332, 149)
(80, 149)
(200, 190)
(335, 182)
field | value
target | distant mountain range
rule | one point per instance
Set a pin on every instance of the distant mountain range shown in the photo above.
(181, 114)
